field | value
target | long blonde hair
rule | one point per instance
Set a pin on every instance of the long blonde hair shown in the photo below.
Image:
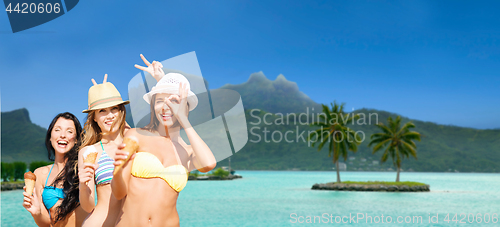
(91, 131)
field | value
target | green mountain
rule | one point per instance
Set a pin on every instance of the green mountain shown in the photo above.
(21, 139)
(443, 147)
(278, 96)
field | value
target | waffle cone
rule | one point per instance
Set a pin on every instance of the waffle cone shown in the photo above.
(131, 146)
(91, 157)
(29, 182)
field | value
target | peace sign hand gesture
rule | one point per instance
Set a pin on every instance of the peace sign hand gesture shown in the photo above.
(178, 105)
(154, 69)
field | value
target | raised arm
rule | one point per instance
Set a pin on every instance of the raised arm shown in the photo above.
(154, 69)
(33, 203)
(119, 184)
(86, 173)
(202, 157)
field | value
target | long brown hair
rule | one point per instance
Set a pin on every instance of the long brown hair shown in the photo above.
(91, 131)
(153, 121)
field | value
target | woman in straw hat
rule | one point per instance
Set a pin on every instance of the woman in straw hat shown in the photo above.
(104, 130)
(55, 199)
(153, 179)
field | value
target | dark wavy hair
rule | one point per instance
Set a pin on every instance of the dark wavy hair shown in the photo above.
(69, 175)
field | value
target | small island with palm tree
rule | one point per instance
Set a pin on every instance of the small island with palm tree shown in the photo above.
(397, 142)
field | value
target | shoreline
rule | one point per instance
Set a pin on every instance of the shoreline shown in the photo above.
(12, 186)
(204, 178)
(371, 187)
(7, 186)
(333, 171)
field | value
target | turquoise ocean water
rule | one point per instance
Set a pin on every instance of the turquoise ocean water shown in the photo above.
(284, 198)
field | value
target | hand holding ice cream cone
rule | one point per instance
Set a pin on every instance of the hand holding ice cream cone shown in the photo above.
(131, 147)
(30, 202)
(89, 157)
(87, 170)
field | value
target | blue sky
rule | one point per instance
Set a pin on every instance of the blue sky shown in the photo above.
(435, 61)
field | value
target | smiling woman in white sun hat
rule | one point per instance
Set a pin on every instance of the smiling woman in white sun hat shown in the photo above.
(153, 179)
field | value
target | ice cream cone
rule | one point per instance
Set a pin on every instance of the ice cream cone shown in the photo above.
(29, 182)
(89, 157)
(131, 146)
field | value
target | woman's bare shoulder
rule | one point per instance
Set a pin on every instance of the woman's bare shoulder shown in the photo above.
(139, 133)
(42, 171)
(131, 132)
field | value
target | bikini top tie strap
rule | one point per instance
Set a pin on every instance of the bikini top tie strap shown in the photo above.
(46, 180)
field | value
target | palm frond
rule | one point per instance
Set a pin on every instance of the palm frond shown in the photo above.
(327, 112)
(378, 140)
(410, 149)
(382, 136)
(384, 128)
(324, 141)
(385, 155)
(406, 127)
(330, 149)
(319, 124)
(381, 145)
(411, 135)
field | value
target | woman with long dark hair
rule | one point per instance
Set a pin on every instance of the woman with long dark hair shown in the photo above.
(55, 199)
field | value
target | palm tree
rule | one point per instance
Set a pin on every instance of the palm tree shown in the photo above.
(333, 130)
(397, 141)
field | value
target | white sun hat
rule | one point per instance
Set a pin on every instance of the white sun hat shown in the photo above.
(170, 84)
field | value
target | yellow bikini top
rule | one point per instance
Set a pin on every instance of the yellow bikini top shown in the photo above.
(147, 165)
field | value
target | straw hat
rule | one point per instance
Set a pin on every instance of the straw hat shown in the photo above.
(103, 96)
(170, 84)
